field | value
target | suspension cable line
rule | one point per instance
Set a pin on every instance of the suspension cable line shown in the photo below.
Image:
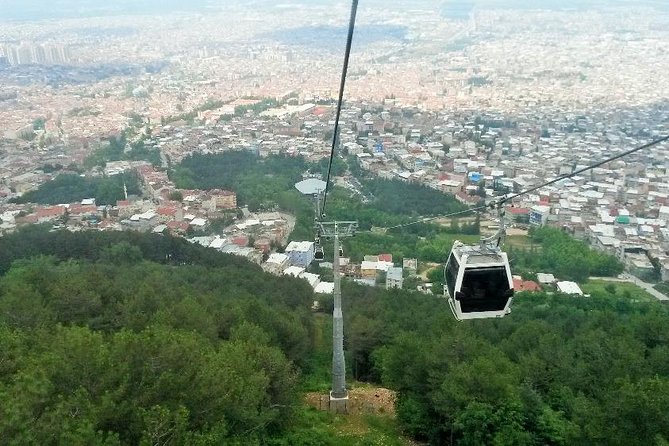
(585, 169)
(349, 41)
(496, 203)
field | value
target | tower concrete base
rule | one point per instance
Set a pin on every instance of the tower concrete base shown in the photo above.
(338, 405)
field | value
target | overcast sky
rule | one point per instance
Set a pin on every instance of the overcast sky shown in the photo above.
(54, 9)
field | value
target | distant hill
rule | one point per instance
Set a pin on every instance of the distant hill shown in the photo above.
(24, 10)
(562, 4)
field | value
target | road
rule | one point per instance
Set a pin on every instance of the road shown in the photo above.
(638, 282)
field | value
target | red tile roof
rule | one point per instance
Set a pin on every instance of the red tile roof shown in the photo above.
(53, 211)
(318, 111)
(76, 209)
(177, 225)
(167, 211)
(240, 241)
(468, 198)
(525, 285)
(385, 257)
(32, 218)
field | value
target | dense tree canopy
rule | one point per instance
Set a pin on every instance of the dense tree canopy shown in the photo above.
(266, 183)
(92, 245)
(125, 338)
(400, 197)
(116, 149)
(117, 349)
(71, 188)
(558, 370)
(258, 182)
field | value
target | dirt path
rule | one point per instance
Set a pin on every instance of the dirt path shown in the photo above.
(362, 400)
(429, 267)
(638, 282)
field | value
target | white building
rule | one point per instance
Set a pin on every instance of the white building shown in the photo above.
(664, 213)
(276, 263)
(313, 279)
(300, 253)
(569, 288)
(324, 288)
(294, 271)
(539, 215)
(545, 278)
(394, 277)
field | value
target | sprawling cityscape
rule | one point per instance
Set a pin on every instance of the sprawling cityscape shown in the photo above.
(472, 100)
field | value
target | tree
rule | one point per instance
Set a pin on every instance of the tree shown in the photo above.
(480, 190)
(121, 253)
(365, 335)
(187, 345)
(38, 124)
(610, 288)
(176, 196)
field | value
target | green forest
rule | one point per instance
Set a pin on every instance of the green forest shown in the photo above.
(559, 370)
(115, 150)
(269, 183)
(120, 338)
(123, 338)
(258, 183)
(400, 197)
(555, 250)
(71, 188)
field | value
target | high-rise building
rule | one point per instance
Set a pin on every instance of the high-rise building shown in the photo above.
(25, 54)
(29, 53)
(38, 54)
(12, 54)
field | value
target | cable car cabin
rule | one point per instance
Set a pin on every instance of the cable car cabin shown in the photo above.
(478, 282)
(319, 255)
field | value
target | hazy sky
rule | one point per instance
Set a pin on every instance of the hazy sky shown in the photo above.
(54, 9)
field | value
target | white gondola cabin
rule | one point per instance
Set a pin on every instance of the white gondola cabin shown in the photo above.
(478, 282)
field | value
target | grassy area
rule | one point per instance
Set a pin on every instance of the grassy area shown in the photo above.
(323, 428)
(317, 371)
(464, 238)
(424, 268)
(663, 287)
(521, 241)
(431, 249)
(624, 289)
